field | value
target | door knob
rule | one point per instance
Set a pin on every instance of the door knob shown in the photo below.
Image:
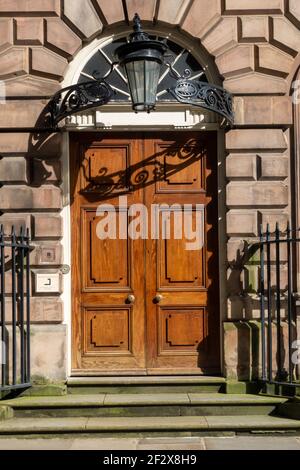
(158, 298)
(131, 299)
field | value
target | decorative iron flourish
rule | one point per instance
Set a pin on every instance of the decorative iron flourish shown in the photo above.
(98, 92)
(204, 95)
(77, 98)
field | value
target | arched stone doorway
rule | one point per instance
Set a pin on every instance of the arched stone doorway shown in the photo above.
(182, 332)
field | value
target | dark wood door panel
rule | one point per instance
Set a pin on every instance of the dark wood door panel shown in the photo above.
(106, 262)
(179, 264)
(107, 329)
(180, 167)
(182, 329)
(108, 332)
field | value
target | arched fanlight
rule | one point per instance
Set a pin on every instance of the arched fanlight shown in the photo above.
(145, 63)
(142, 59)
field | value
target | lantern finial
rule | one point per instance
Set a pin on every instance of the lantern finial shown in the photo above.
(138, 33)
(137, 27)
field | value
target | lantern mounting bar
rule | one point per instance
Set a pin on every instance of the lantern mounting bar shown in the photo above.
(142, 59)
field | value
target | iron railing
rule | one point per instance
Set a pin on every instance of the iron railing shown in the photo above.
(15, 309)
(279, 252)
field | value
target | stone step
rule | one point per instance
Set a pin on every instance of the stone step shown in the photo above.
(143, 405)
(149, 426)
(145, 384)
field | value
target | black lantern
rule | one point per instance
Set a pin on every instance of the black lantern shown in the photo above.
(142, 59)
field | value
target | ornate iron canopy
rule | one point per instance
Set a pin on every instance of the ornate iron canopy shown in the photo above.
(147, 58)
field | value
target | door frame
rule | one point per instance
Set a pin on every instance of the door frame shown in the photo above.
(66, 216)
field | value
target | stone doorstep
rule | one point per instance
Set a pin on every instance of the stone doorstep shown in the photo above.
(145, 380)
(160, 399)
(144, 405)
(144, 384)
(34, 426)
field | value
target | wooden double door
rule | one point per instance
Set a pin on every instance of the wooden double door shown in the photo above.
(144, 272)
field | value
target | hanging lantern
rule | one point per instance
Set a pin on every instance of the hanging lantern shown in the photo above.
(141, 59)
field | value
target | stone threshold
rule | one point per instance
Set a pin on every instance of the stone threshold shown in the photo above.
(145, 380)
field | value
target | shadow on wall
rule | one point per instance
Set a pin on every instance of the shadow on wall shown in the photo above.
(242, 344)
(243, 330)
(44, 152)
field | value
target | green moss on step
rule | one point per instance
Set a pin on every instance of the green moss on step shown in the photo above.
(6, 412)
(238, 387)
(49, 390)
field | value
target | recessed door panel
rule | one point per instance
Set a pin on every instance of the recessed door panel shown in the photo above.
(105, 169)
(181, 248)
(182, 330)
(181, 167)
(107, 330)
(105, 258)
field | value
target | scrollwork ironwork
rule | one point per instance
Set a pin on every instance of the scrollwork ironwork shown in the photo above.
(204, 95)
(98, 92)
(79, 97)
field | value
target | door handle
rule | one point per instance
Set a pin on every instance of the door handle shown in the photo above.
(158, 298)
(130, 299)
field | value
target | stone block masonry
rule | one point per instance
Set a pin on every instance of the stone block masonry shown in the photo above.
(255, 46)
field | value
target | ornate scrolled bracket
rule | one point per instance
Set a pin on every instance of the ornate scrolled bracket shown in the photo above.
(77, 98)
(97, 92)
(204, 95)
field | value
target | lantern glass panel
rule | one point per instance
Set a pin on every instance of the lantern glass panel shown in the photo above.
(143, 76)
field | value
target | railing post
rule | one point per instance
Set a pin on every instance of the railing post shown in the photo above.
(278, 302)
(14, 304)
(21, 303)
(27, 238)
(269, 300)
(290, 300)
(262, 303)
(2, 298)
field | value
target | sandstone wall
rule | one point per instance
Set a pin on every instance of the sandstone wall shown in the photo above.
(255, 44)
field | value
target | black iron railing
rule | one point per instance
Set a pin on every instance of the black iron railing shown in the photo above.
(14, 309)
(279, 256)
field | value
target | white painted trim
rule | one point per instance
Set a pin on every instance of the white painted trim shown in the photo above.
(66, 242)
(121, 118)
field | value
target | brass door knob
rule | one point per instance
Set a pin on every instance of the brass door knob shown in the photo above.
(130, 299)
(158, 298)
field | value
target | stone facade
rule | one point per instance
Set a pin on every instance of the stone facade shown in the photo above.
(255, 45)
